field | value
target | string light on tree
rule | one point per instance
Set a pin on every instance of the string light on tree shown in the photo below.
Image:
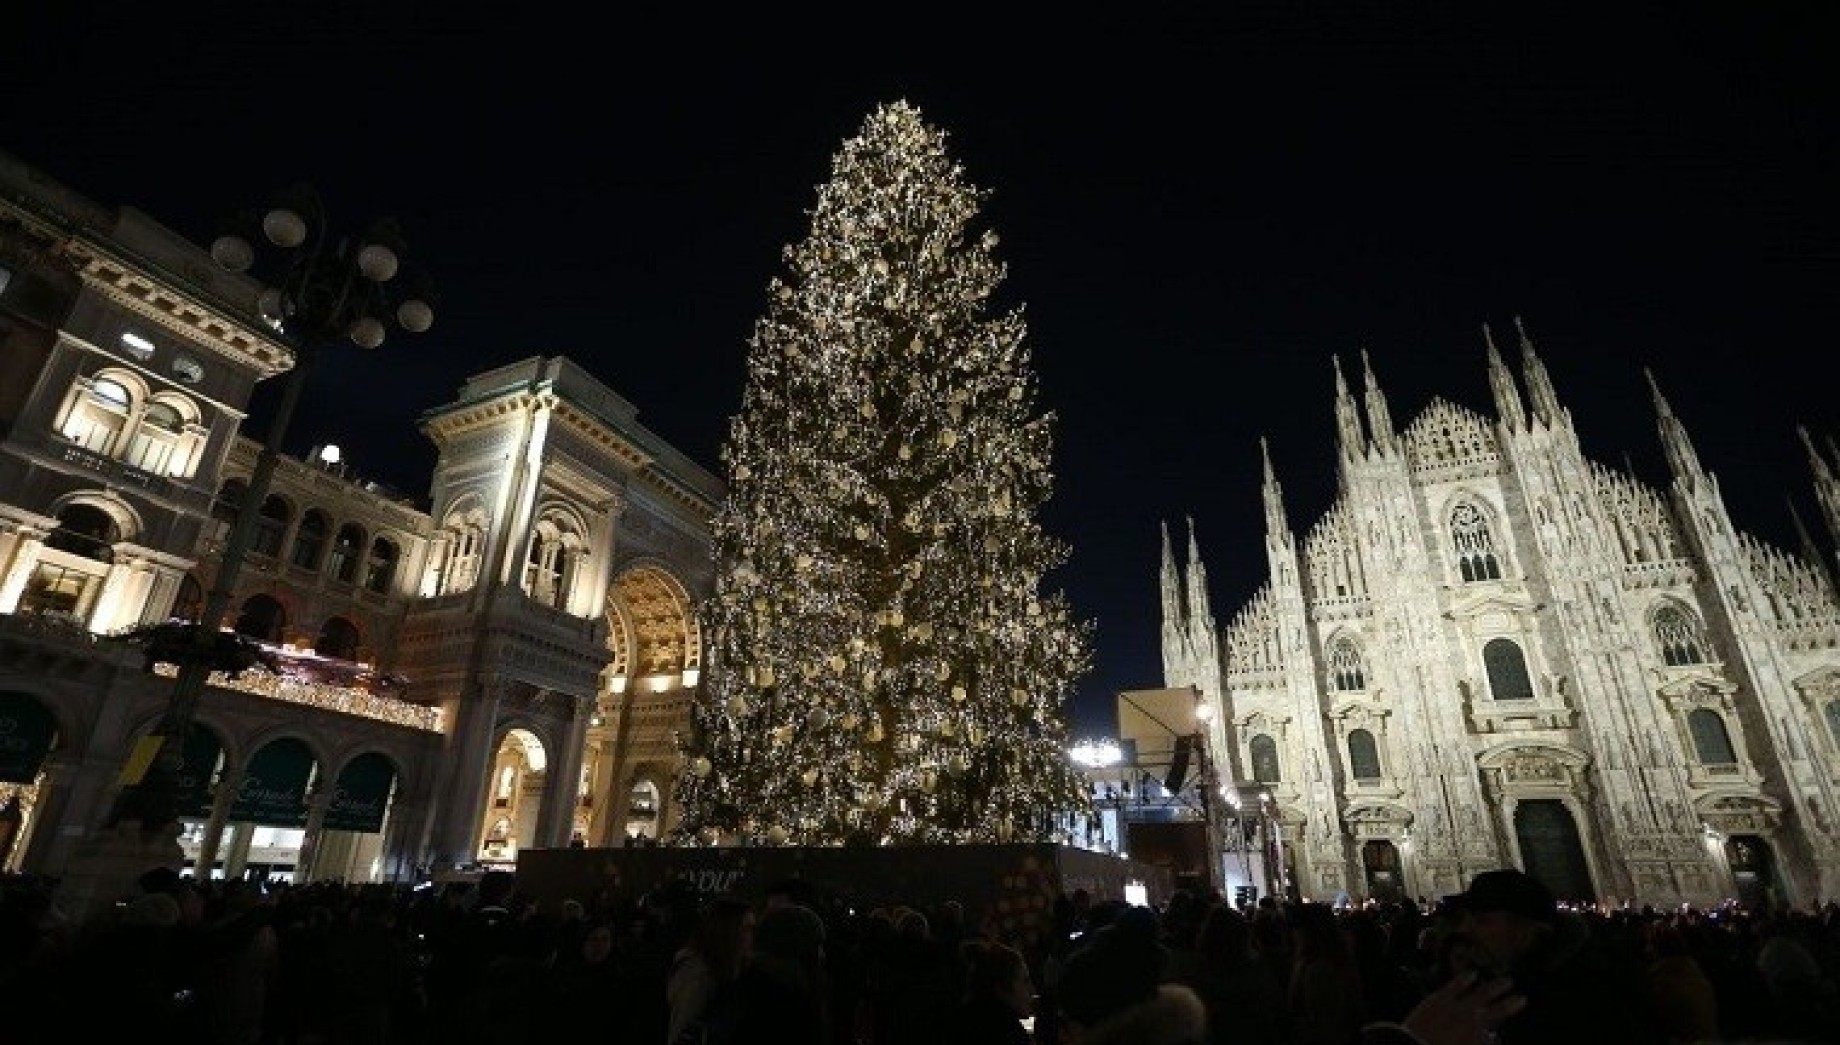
(879, 545)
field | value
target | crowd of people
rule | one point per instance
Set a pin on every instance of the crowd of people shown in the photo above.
(330, 964)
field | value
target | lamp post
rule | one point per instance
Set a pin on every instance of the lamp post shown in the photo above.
(321, 287)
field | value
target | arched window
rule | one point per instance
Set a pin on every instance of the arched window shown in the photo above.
(100, 413)
(310, 539)
(270, 526)
(229, 502)
(1345, 666)
(1711, 741)
(460, 545)
(347, 553)
(86, 530)
(1363, 755)
(189, 605)
(381, 569)
(551, 560)
(159, 443)
(1473, 543)
(1678, 636)
(338, 637)
(262, 618)
(1265, 759)
(1507, 670)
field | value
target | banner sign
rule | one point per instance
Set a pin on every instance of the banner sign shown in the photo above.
(362, 795)
(274, 791)
(196, 765)
(26, 729)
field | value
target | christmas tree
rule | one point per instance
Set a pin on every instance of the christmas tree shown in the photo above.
(883, 665)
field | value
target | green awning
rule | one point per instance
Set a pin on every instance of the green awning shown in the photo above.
(274, 791)
(362, 795)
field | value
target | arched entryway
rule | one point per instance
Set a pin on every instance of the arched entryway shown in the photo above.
(642, 810)
(514, 797)
(262, 618)
(338, 638)
(1551, 850)
(351, 837)
(268, 815)
(27, 733)
(1380, 864)
(1756, 876)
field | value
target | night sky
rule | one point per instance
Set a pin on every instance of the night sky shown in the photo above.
(1197, 213)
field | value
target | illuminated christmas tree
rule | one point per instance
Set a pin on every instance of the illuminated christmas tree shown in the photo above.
(883, 664)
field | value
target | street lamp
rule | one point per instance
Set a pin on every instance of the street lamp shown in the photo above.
(320, 288)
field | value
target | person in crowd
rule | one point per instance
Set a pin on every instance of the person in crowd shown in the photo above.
(1326, 1000)
(1245, 1004)
(780, 997)
(1507, 924)
(998, 995)
(713, 956)
(1113, 990)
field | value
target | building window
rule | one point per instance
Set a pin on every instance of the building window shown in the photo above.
(1832, 713)
(381, 569)
(1474, 544)
(1363, 755)
(347, 553)
(99, 416)
(151, 448)
(1345, 666)
(60, 590)
(1711, 741)
(1265, 759)
(1507, 670)
(1678, 635)
(309, 540)
(86, 530)
(271, 524)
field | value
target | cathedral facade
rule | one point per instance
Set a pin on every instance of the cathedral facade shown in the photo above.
(1494, 651)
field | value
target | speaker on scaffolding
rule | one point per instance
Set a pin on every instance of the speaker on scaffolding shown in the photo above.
(1178, 767)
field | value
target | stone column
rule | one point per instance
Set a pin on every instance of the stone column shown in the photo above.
(222, 798)
(475, 718)
(27, 544)
(563, 792)
(310, 840)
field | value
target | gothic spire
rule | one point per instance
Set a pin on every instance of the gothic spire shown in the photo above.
(1277, 525)
(1681, 458)
(1540, 392)
(1171, 585)
(1197, 578)
(1810, 550)
(1501, 382)
(1822, 473)
(1379, 418)
(1348, 436)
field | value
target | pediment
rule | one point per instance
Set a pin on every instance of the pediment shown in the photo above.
(1526, 757)
(1824, 679)
(1699, 684)
(1511, 602)
(1371, 812)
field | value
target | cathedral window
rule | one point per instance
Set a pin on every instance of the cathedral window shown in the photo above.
(1711, 741)
(1363, 755)
(1474, 544)
(310, 540)
(1832, 713)
(1265, 759)
(1678, 635)
(1345, 666)
(1507, 668)
(551, 560)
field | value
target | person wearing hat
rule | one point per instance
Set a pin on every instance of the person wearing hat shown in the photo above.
(1113, 990)
(1508, 925)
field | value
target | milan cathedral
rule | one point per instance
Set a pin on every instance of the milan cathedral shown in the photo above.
(1492, 650)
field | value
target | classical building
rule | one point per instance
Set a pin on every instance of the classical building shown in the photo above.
(1493, 650)
(499, 665)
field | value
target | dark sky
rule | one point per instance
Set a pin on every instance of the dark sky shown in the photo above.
(1197, 213)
